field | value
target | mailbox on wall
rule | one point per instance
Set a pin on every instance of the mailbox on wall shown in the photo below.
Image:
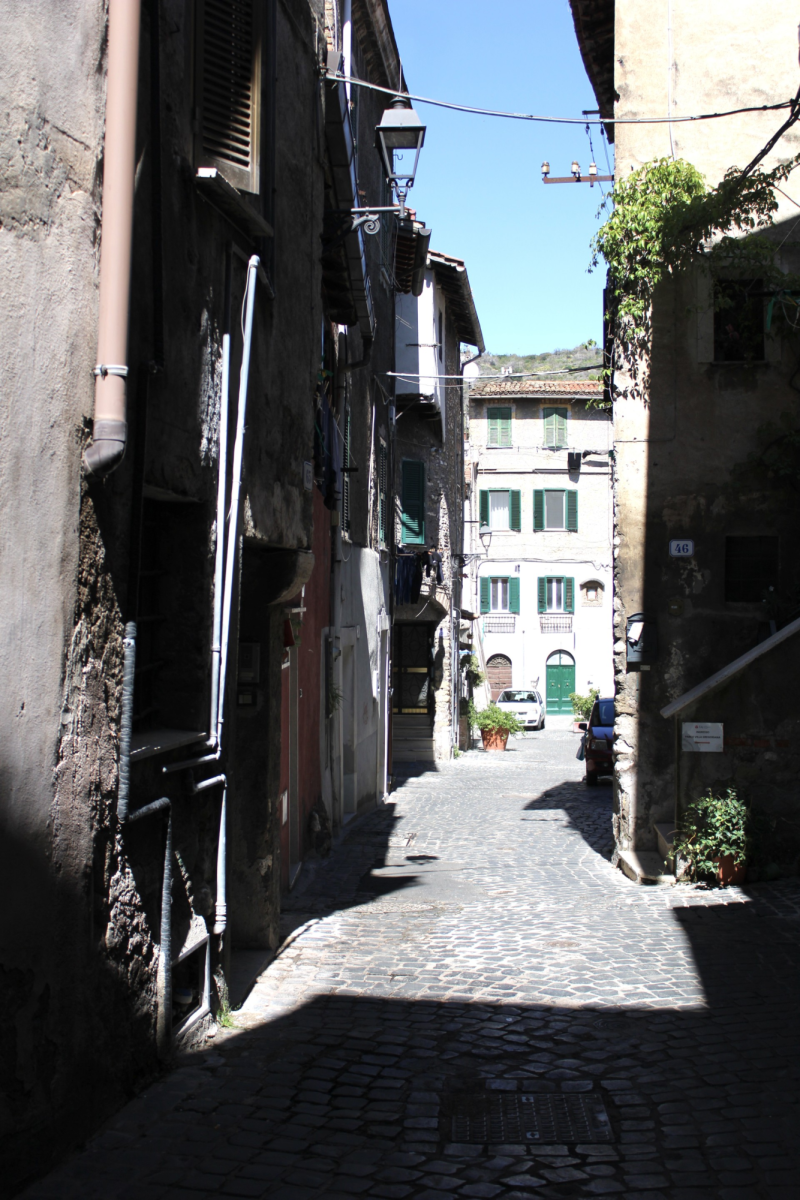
(641, 641)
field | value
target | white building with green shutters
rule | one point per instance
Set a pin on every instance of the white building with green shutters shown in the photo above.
(539, 521)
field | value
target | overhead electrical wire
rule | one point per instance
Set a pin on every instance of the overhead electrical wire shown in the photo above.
(514, 116)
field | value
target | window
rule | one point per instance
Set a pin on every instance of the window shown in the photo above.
(739, 321)
(555, 510)
(346, 474)
(500, 594)
(383, 492)
(592, 593)
(412, 517)
(499, 421)
(556, 594)
(228, 90)
(501, 509)
(555, 427)
(751, 568)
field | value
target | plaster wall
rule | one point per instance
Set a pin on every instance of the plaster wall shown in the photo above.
(678, 445)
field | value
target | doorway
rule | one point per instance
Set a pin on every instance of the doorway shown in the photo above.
(560, 682)
(498, 670)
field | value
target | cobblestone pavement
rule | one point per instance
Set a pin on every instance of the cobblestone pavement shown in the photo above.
(466, 969)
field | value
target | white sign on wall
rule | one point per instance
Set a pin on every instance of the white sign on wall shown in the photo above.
(702, 736)
(681, 548)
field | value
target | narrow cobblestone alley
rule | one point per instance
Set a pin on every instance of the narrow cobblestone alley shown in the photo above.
(469, 989)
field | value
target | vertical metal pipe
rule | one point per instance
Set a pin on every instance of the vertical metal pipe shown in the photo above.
(219, 565)
(221, 908)
(164, 977)
(110, 428)
(236, 484)
(126, 721)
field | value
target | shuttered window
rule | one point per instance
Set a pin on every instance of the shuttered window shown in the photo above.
(555, 509)
(501, 509)
(486, 594)
(383, 493)
(555, 427)
(412, 518)
(500, 594)
(499, 427)
(556, 593)
(513, 594)
(228, 89)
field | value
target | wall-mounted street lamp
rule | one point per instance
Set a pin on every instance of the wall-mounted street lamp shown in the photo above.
(577, 176)
(399, 133)
(486, 537)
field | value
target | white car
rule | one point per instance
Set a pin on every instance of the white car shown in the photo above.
(527, 706)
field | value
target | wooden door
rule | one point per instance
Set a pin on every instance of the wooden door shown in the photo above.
(560, 682)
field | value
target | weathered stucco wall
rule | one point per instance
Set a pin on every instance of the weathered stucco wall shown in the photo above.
(678, 446)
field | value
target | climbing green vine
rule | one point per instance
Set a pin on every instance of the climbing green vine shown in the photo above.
(665, 218)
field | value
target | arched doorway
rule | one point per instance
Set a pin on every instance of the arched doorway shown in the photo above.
(498, 671)
(560, 682)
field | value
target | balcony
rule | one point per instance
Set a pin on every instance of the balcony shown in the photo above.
(555, 623)
(501, 623)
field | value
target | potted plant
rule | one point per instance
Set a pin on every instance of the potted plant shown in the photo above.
(712, 842)
(495, 724)
(582, 708)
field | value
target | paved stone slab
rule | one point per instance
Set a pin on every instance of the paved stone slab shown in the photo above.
(473, 936)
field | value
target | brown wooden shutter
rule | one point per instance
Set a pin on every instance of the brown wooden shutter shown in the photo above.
(228, 90)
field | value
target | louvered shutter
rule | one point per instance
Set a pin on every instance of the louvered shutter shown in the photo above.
(494, 431)
(569, 595)
(538, 510)
(513, 594)
(549, 415)
(412, 520)
(486, 594)
(515, 511)
(484, 508)
(572, 511)
(499, 427)
(561, 427)
(542, 581)
(228, 89)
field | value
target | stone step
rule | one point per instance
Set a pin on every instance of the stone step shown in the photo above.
(665, 832)
(413, 743)
(404, 754)
(644, 866)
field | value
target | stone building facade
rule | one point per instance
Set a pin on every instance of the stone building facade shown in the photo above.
(176, 613)
(706, 541)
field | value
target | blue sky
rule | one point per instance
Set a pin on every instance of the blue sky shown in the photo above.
(479, 186)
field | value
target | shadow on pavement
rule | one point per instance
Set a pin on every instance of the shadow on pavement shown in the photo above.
(587, 810)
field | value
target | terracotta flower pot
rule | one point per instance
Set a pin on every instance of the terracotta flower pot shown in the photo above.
(729, 872)
(494, 739)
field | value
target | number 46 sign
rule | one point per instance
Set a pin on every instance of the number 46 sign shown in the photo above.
(681, 548)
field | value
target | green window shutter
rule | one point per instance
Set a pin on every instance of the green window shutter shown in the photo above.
(572, 511)
(555, 427)
(538, 510)
(484, 507)
(513, 594)
(569, 595)
(504, 430)
(542, 593)
(549, 415)
(486, 588)
(515, 511)
(412, 521)
(500, 427)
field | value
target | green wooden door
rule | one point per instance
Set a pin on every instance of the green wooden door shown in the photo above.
(560, 682)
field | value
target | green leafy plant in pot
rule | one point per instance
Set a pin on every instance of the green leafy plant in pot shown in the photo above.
(495, 724)
(711, 844)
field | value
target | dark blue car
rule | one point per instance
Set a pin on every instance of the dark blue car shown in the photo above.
(598, 740)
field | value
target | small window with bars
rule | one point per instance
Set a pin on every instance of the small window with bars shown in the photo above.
(499, 421)
(228, 89)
